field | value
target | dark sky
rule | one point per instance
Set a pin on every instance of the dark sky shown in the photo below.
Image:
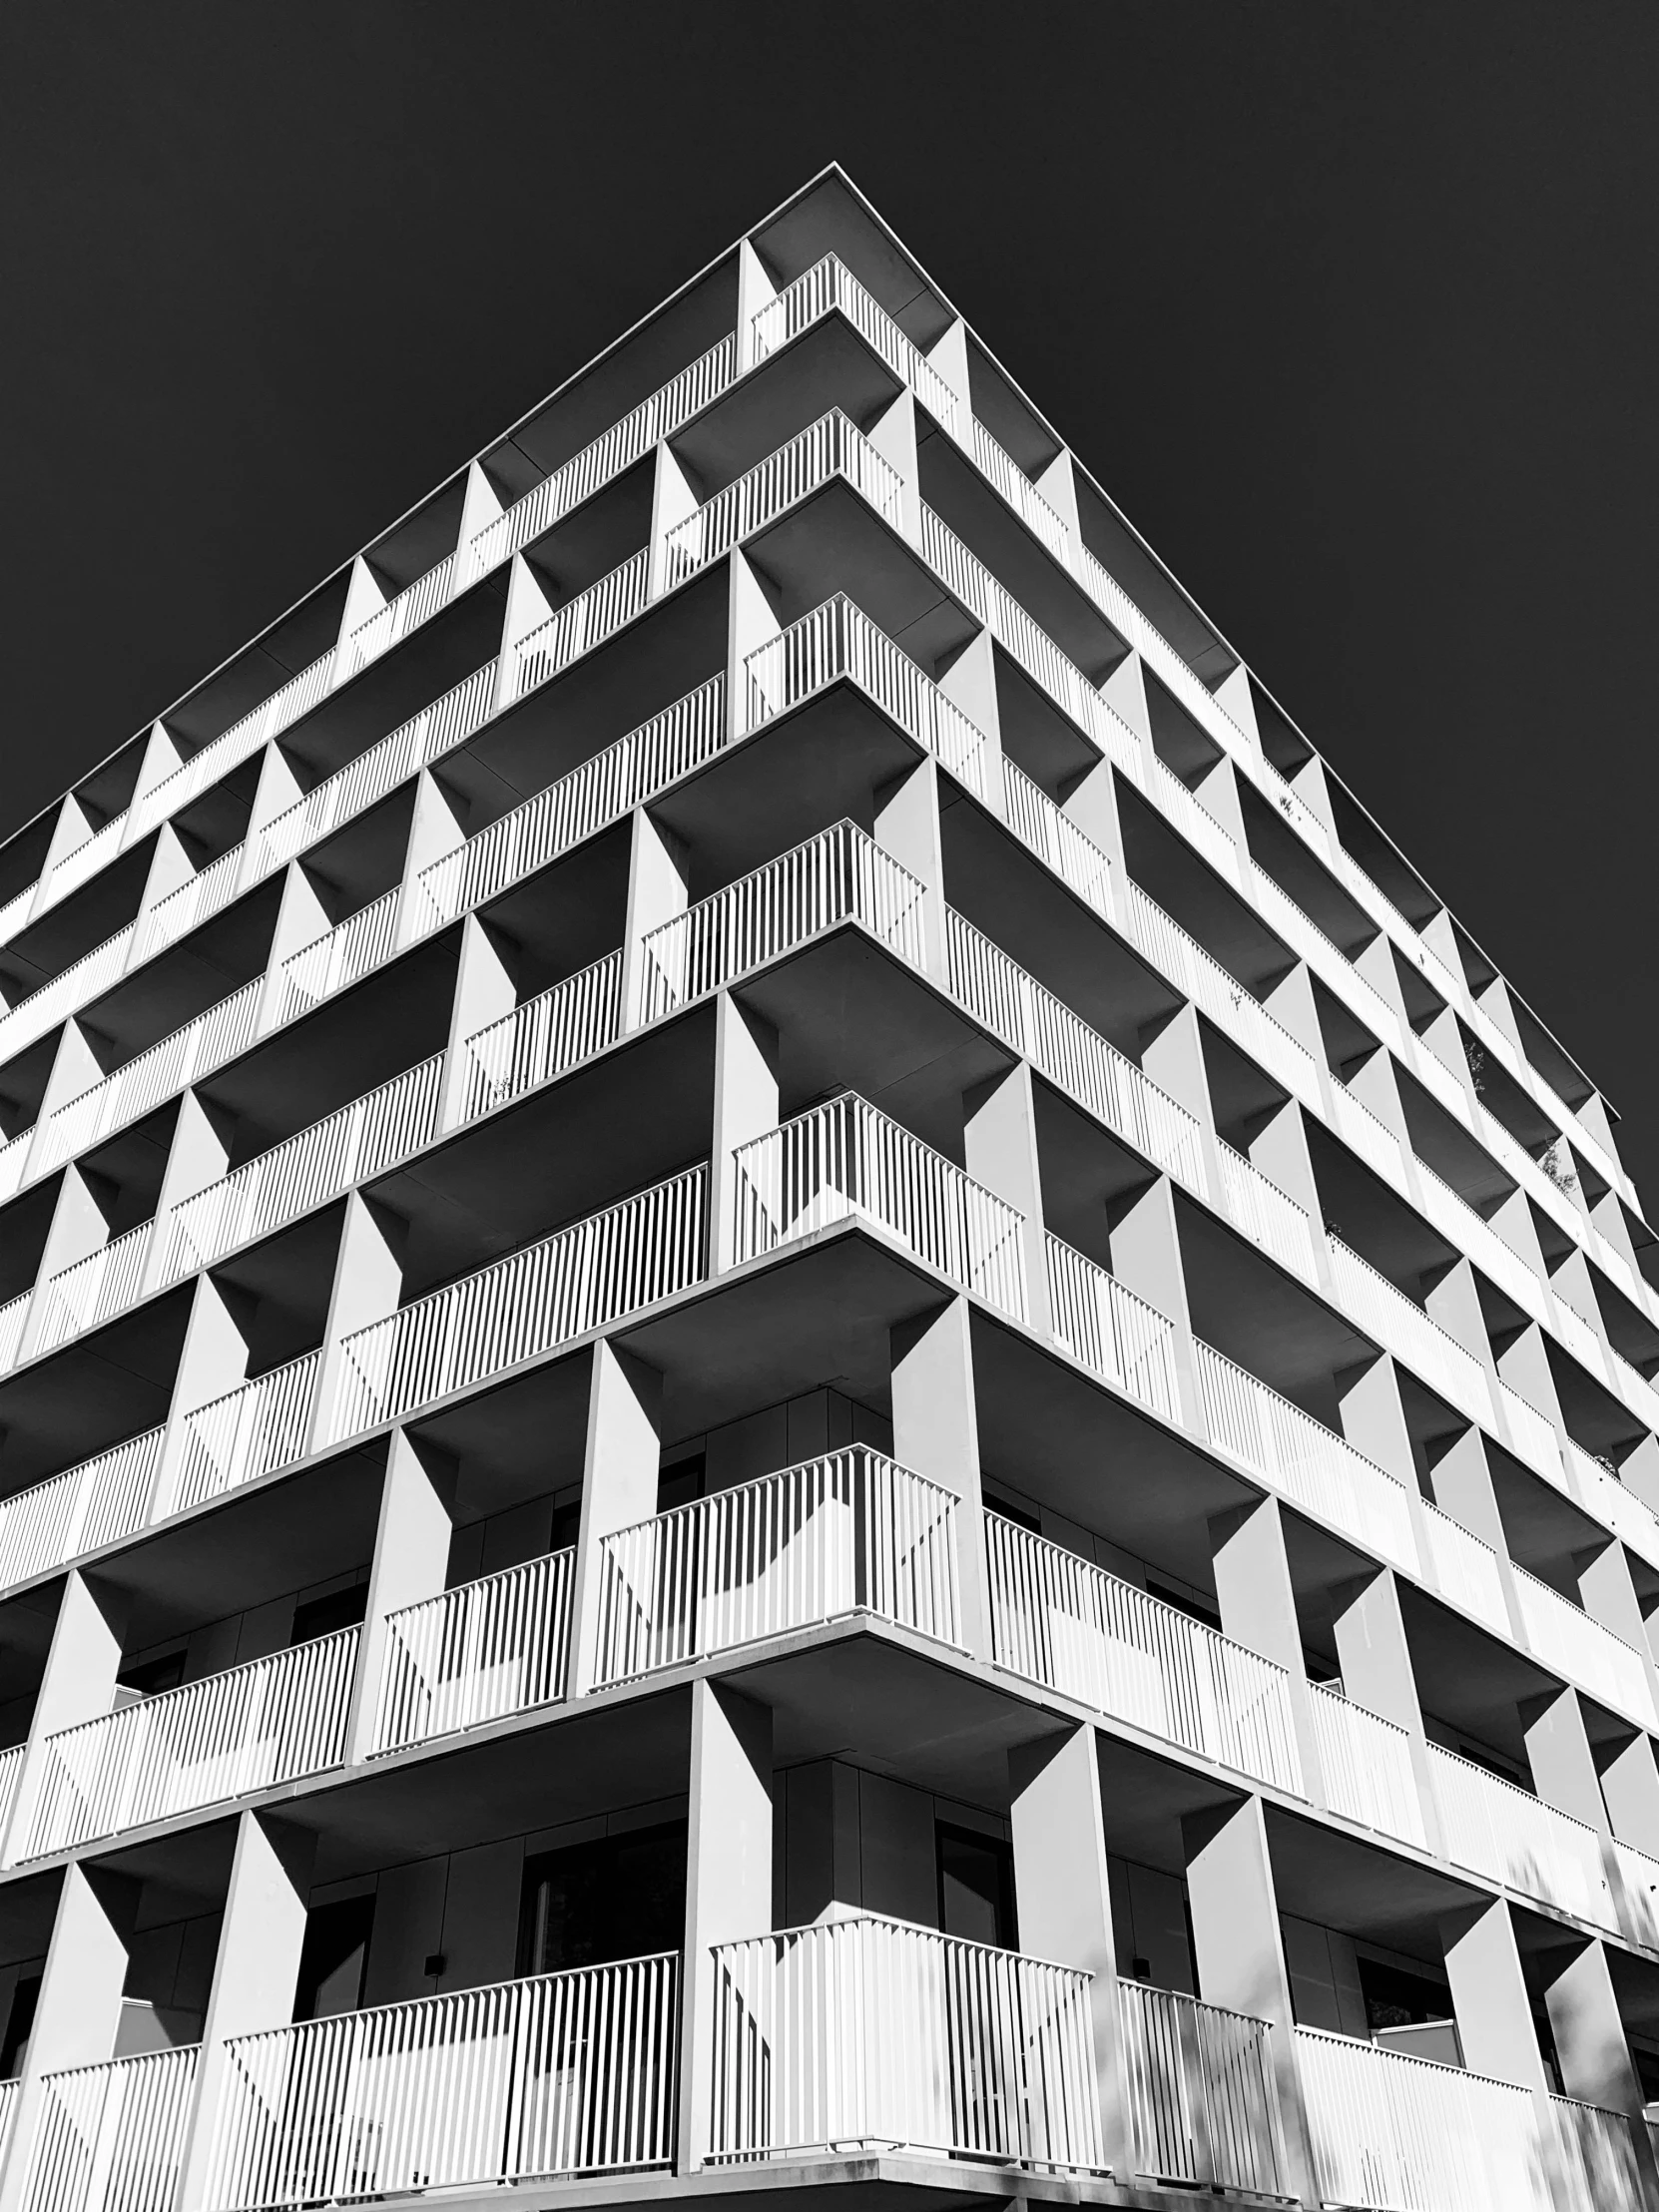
(1351, 306)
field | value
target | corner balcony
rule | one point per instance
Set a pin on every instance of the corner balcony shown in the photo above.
(828, 287)
(829, 448)
(874, 2034)
(270, 1721)
(563, 2074)
(837, 876)
(849, 1533)
(111, 2138)
(1202, 2108)
(847, 1162)
(1392, 2134)
(1507, 1835)
(1062, 1621)
(491, 1647)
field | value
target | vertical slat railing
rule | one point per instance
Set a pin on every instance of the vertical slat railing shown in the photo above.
(93, 1504)
(544, 1037)
(1365, 1765)
(1495, 1829)
(1109, 1329)
(495, 1646)
(1202, 2108)
(575, 627)
(252, 1430)
(110, 2138)
(829, 447)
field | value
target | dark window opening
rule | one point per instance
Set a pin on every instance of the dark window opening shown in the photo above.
(618, 1896)
(683, 1483)
(333, 1959)
(976, 1886)
(1191, 1606)
(321, 1616)
(1020, 1516)
(154, 1675)
(20, 2024)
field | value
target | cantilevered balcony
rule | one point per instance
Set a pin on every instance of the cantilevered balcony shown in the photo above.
(111, 2138)
(491, 1647)
(847, 1533)
(1508, 1835)
(85, 1507)
(829, 448)
(868, 2034)
(565, 2074)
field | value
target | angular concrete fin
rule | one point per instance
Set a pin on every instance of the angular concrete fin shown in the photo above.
(673, 498)
(363, 597)
(480, 507)
(950, 357)
(1231, 695)
(1058, 485)
(895, 438)
(755, 290)
(1124, 691)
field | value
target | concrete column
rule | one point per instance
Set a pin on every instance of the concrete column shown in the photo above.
(1058, 485)
(655, 893)
(1375, 1655)
(1588, 2031)
(1372, 1416)
(255, 1975)
(1280, 1150)
(1092, 803)
(411, 1562)
(1146, 1259)
(1240, 1954)
(1124, 691)
(728, 1877)
(364, 597)
(368, 1285)
(936, 1432)
(1489, 1997)
(1454, 1303)
(170, 867)
(485, 993)
(528, 607)
(1258, 1609)
(907, 826)
(746, 1107)
(1173, 1057)
(1063, 1899)
(162, 759)
(620, 1471)
(75, 1068)
(1608, 1594)
(212, 1362)
(79, 2009)
(78, 1685)
(277, 789)
(755, 290)
(999, 1146)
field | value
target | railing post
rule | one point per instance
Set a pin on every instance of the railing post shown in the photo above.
(1240, 1955)
(620, 1479)
(411, 1562)
(79, 2009)
(936, 1435)
(728, 1881)
(77, 1684)
(1063, 1895)
(254, 1977)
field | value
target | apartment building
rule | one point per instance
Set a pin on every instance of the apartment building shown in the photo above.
(801, 1385)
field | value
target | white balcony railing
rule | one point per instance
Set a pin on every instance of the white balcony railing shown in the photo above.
(222, 753)
(989, 602)
(830, 286)
(1465, 1569)
(1595, 2152)
(14, 1316)
(303, 1172)
(581, 1278)
(95, 1503)
(1404, 2134)
(998, 467)
(1639, 1881)
(837, 876)
(390, 625)
(1049, 832)
(81, 864)
(1071, 1054)
(851, 1532)
(350, 791)
(1401, 1326)
(1195, 820)
(868, 2032)
(618, 448)
(495, 1646)
(341, 957)
(1304, 1459)
(829, 447)
(1058, 1620)
(1456, 1220)
(270, 1721)
(601, 791)
(837, 643)
(1202, 2105)
(1568, 1641)
(1365, 1762)
(252, 1430)
(847, 1162)
(564, 2074)
(546, 1036)
(188, 1054)
(1532, 1434)
(110, 2138)
(1264, 1213)
(205, 894)
(103, 1284)
(67, 992)
(1221, 996)
(1329, 961)
(11, 1774)
(1365, 1136)
(575, 628)
(1109, 1329)
(1504, 1833)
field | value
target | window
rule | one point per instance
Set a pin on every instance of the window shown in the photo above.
(682, 1483)
(333, 1959)
(618, 1896)
(14, 2045)
(976, 1886)
(150, 1677)
(321, 1616)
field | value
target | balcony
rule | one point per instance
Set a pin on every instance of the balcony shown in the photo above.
(831, 447)
(1048, 831)
(870, 2033)
(270, 1721)
(1111, 1330)
(334, 961)
(568, 2073)
(847, 1162)
(390, 625)
(1058, 1620)
(93, 1291)
(1074, 1057)
(1264, 1214)
(580, 1279)
(546, 1036)
(495, 1646)
(830, 286)
(601, 791)
(205, 894)
(1402, 1328)
(1465, 1570)
(95, 1503)
(574, 629)
(306, 1171)
(244, 739)
(1366, 1764)
(1203, 2110)
(1571, 1644)
(1299, 1457)
(837, 643)
(837, 876)
(849, 1533)
(252, 1430)
(1508, 1835)
(111, 2138)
